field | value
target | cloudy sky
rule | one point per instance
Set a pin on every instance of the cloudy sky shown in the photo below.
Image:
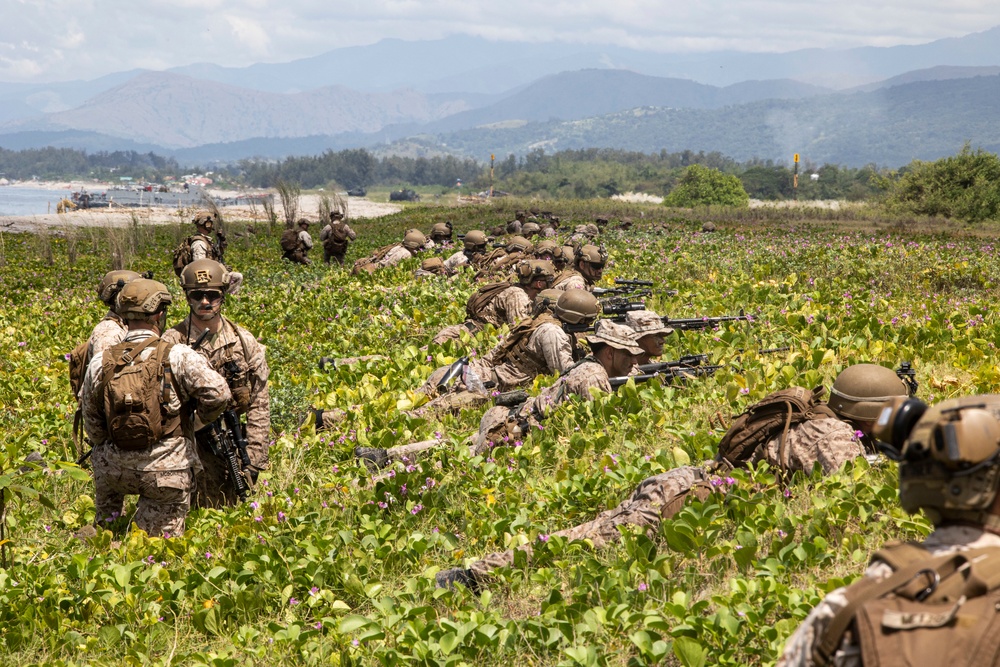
(62, 40)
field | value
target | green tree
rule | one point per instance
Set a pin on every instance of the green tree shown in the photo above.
(702, 186)
(965, 186)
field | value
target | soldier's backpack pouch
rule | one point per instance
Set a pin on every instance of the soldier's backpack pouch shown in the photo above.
(134, 393)
(182, 255)
(336, 242)
(474, 306)
(289, 240)
(933, 610)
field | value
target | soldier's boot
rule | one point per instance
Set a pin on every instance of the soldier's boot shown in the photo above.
(374, 457)
(457, 575)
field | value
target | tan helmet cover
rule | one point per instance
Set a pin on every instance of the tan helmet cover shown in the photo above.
(533, 269)
(414, 239)
(860, 390)
(547, 247)
(474, 240)
(576, 306)
(592, 253)
(107, 289)
(949, 461)
(441, 229)
(518, 244)
(434, 264)
(530, 228)
(204, 274)
(547, 298)
(141, 298)
(204, 219)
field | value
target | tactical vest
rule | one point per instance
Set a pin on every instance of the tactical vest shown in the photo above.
(477, 302)
(933, 610)
(236, 372)
(183, 255)
(135, 394)
(772, 416)
(514, 349)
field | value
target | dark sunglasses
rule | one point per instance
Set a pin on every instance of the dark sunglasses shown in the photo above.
(597, 266)
(203, 294)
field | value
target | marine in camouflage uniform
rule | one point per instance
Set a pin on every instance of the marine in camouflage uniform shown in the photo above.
(431, 267)
(588, 267)
(507, 306)
(336, 218)
(413, 242)
(583, 234)
(473, 250)
(240, 359)
(299, 254)
(502, 260)
(857, 394)
(956, 487)
(162, 475)
(112, 328)
(202, 246)
(650, 332)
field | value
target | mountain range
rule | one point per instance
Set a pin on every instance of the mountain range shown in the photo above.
(472, 97)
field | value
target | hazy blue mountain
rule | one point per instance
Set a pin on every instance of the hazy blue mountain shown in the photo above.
(930, 74)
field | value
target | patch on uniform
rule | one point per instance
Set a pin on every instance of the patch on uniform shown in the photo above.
(203, 276)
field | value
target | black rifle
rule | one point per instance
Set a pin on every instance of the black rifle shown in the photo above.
(634, 283)
(666, 376)
(906, 373)
(686, 361)
(620, 306)
(621, 291)
(225, 439)
(699, 323)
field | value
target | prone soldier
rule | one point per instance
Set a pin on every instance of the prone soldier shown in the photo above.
(588, 267)
(235, 354)
(473, 250)
(140, 402)
(413, 242)
(441, 233)
(651, 333)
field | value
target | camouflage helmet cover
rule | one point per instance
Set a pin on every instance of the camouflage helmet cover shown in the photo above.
(518, 244)
(204, 218)
(474, 239)
(142, 298)
(576, 306)
(534, 269)
(204, 273)
(108, 288)
(617, 336)
(860, 390)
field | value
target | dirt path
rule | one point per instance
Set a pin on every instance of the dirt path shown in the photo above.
(104, 217)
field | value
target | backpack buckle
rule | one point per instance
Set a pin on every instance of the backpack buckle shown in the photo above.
(935, 579)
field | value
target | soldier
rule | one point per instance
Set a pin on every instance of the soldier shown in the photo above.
(473, 250)
(296, 245)
(140, 400)
(612, 353)
(235, 354)
(413, 242)
(530, 230)
(336, 237)
(907, 609)
(441, 233)
(503, 259)
(110, 330)
(584, 234)
(826, 438)
(515, 225)
(651, 334)
(547, 250)
(588, 267)
(503, 303)
(200, 244)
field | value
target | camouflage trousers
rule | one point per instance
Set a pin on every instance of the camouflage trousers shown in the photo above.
(454, 332)
(655, 499)
(164, 496)
(336, 256)
(297, 256)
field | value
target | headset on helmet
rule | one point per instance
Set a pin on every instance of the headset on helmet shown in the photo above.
(111, 284)
(535, 269)
(592, 253)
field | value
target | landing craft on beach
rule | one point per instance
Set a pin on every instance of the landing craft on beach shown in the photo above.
(154, 195)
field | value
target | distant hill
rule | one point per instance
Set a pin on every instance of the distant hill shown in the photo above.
(939, 73)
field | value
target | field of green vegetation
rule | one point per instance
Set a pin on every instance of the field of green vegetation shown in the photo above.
(327, 566)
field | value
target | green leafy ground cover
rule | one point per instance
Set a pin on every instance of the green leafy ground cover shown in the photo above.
(326, 566)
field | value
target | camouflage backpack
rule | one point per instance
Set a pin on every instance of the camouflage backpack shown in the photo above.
(474, 306)
(183, 256)
(134, 391)
(289, 240)
(770, 417)
(368, 263)
(336, 242)
(941, 608)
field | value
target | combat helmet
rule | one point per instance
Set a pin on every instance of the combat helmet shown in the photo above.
(546, 249)
(475, 241)
(204, 219)
(142, 298)
(948, 456)
(204, 274)
(530, 229)
(547, 298)
(576, 306)
(518, 244)
(441, 231)
(533, 269)
(591, 253)
(112, 282)
(859, 391)
(414, 239)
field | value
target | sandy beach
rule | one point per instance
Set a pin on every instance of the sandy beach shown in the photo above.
(107, 217)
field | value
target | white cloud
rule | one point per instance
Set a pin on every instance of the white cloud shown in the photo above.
(47, 40)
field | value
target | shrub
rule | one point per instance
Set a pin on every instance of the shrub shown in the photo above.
(702, 186)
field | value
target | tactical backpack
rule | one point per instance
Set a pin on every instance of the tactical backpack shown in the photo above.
(933, 610)
(289, 240)
(514, 346)
(182, 253)
(368, 263)
(336, 242)
(78, 360)
(134, 392)
(474, 306)
(771, 417)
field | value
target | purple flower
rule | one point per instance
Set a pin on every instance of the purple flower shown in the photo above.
(313, 591)
(318, 626)
(416, 508)
(208, 555)
(254, 505)
(292, 602)
(642, 587)
(355, 642)
(281, 516)
(543, 537)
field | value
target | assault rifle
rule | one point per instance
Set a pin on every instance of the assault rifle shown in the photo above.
(225, 439)
(700, 323)
(633, 288)
(619, 306)
(686, 361)
(666, 376)
(906, 373)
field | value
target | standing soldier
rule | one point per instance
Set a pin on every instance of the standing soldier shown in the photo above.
(588, 267)
(335, 238)
(296, 245)
(140, 400)
(200, 244)
(239, 358)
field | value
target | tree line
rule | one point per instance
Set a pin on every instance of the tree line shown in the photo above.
(67, 163)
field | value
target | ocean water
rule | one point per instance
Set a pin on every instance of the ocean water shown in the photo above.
(30, 201)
